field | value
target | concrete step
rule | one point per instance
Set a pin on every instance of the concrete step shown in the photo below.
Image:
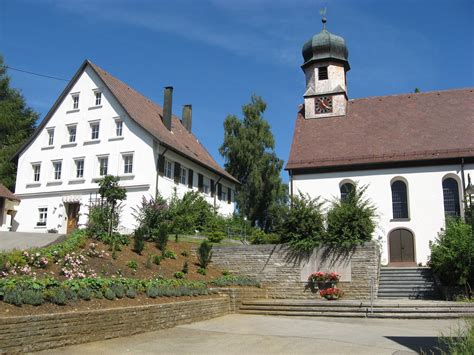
(407, 288)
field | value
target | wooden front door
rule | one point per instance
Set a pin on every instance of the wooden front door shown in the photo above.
(72, 216)
(402, 248)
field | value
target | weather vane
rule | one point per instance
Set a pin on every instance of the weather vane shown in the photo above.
(322, 12)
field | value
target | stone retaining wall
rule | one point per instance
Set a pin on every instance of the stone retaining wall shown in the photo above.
(39, 332)
(280, 271)
(237, 294)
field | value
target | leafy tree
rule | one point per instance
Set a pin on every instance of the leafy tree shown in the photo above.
(350, 221)
(17, 122)
(111, 192)
(303, 225)
(248, 150)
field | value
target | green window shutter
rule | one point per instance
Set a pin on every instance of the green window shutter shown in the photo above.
(229, 195)
(219, 191)
(177, 172)
(190, 178)
(200, 182)
(161, 164)
(213, 188)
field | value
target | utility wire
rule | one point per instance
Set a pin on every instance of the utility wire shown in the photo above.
(29, 72)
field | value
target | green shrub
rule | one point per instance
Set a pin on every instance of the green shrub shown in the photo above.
(216, 237)
(235, 280)
(58, 296)
(132, 264)
(179, 275)
(157, 259)
(303, 226)
(109, 294)
(205, 254)
(98, 221)
(13, 296)
(461, 339)
(85, 293)
(152, 291)
(185, 268)
(33, 297)
(139, 240)
(169, 254)
(189, 213)
(149, 262)
(350, 222)
(161, 237)
(185, 253)
(260, 237)
(131, 292)
(118, 289)
(201, 271)
(151, 213)
(226, 273)
(70, 293)
(452, 254)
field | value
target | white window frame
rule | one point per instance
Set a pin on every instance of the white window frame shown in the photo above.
(72, 137)
(206, 185)
(75, 101)
(42, 216)
(50, 136)
(79, 168)
(127, 163)
(93, 125)
(169, 169)
(183, 176)
(224, 194)
(118, 128)
(36, 171)
(57, 170)
(97, 98)
(101, 159)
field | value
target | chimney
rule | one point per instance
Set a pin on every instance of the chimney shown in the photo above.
(167, 106)
(188, 117)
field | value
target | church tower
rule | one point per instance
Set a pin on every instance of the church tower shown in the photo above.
(325, 67)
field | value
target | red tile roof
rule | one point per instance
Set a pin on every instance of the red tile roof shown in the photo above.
(398, 128)
(149, 116)
(5, 193)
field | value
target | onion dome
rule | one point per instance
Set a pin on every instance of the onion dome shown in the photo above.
(325, 46)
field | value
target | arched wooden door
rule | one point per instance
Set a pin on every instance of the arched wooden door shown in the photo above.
(401, 248)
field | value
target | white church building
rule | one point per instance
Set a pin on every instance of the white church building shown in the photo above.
(413, 151)
(100, 126)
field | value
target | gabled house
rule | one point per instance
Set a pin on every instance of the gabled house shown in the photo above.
(100, 126)
(413, 151)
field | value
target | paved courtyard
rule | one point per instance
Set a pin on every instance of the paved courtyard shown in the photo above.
(250, 334)
(18, 240)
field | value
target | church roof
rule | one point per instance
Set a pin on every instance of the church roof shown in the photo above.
(387, 129)
(148, 115)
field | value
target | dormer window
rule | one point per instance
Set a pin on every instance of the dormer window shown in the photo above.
(98, 98)
(75, 101)
(323, 73)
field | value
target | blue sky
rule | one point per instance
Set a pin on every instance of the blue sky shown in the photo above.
(216, 53)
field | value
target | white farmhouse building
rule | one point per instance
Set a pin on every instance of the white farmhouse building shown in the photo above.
(414, 151)
(99, 126)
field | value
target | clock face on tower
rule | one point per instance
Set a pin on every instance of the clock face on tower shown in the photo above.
(323, 104)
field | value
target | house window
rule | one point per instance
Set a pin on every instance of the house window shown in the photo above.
(79, 168)
(103, 165)
(323, 73)
(128, 164)
(72, 134)
(118, 128)
(98, 98)
(95, 130)
(42, 216)
(346, 189)
(206, 188)
(57, 166)
(75, 102)
(51, 136)
(224, 196)
(36, 172)
(451, 198)
(183, 176)
(399, 200)
(168, 169)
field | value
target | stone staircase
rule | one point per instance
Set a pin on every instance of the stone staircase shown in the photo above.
(414, 309)
(407, 282)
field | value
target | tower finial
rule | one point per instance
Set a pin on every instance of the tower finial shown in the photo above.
(322, 12)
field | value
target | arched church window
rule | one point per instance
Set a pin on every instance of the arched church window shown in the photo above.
(346, 189)
(399, 200)
(451, 198)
